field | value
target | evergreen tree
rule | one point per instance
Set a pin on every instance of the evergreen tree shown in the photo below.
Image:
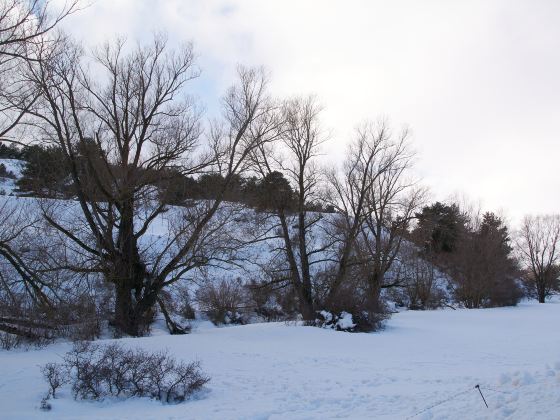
(9, 151)
(439, 227)
(46, 172)
(482, 266)
(275, 193)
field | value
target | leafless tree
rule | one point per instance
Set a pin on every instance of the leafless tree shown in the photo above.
(538, 244)
(25, 27)
(39, 296)
(16, 219)
(377, 201)
(419, 277)
(121, 133)
(301, 137)
(25, 295)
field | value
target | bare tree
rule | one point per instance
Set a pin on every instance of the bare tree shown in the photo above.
(538, 244)
(419, 275)
(121, 133)
(25, 27)
(377, 201)
(28, 296)
(300, 139)
(16, 220)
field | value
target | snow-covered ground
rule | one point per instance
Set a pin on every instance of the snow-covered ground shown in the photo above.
(279, 371)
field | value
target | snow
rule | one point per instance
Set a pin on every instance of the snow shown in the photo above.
(15, 166)
(345, 322)
(327, 315)
(286, 371)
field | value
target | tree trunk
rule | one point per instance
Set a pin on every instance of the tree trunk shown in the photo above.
(305, 298)
(125, 319)
(133, 300)
(306, 305)
(541, 292)
(375, 282)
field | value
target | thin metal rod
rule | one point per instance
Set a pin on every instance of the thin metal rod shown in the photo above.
(483, 399)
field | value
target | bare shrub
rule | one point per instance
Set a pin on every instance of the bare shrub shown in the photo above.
(176, 310)
(96, 371)
(9, 341)
(271, 302)
(79, 319)
(24, 322)
(5, 173)
(16, 331)
(183, 304)
(353, 297)
(45, 405)
(56, 376)
(223, 302)
(419, 274)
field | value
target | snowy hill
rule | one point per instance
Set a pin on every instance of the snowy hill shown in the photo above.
(279, 371)
(15, 166)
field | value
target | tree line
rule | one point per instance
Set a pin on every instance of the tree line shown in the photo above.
(46, 175)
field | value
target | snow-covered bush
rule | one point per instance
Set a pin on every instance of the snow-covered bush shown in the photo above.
(348, 322)
(184, 305)
(341, 322)
(95, 372)
(368, 309)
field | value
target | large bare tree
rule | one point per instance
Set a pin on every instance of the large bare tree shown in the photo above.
(122, 132)
(377, 200)
(300, 139)
(538, 243)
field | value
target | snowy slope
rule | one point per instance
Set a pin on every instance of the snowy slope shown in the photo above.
(236, 221)
(279, 371)
(14, 166)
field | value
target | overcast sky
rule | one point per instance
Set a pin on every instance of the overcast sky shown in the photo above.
(477, 82)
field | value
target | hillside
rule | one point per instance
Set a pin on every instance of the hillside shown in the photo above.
(279, 371)
(14, 166)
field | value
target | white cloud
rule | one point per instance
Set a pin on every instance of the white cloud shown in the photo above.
(476, 81)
